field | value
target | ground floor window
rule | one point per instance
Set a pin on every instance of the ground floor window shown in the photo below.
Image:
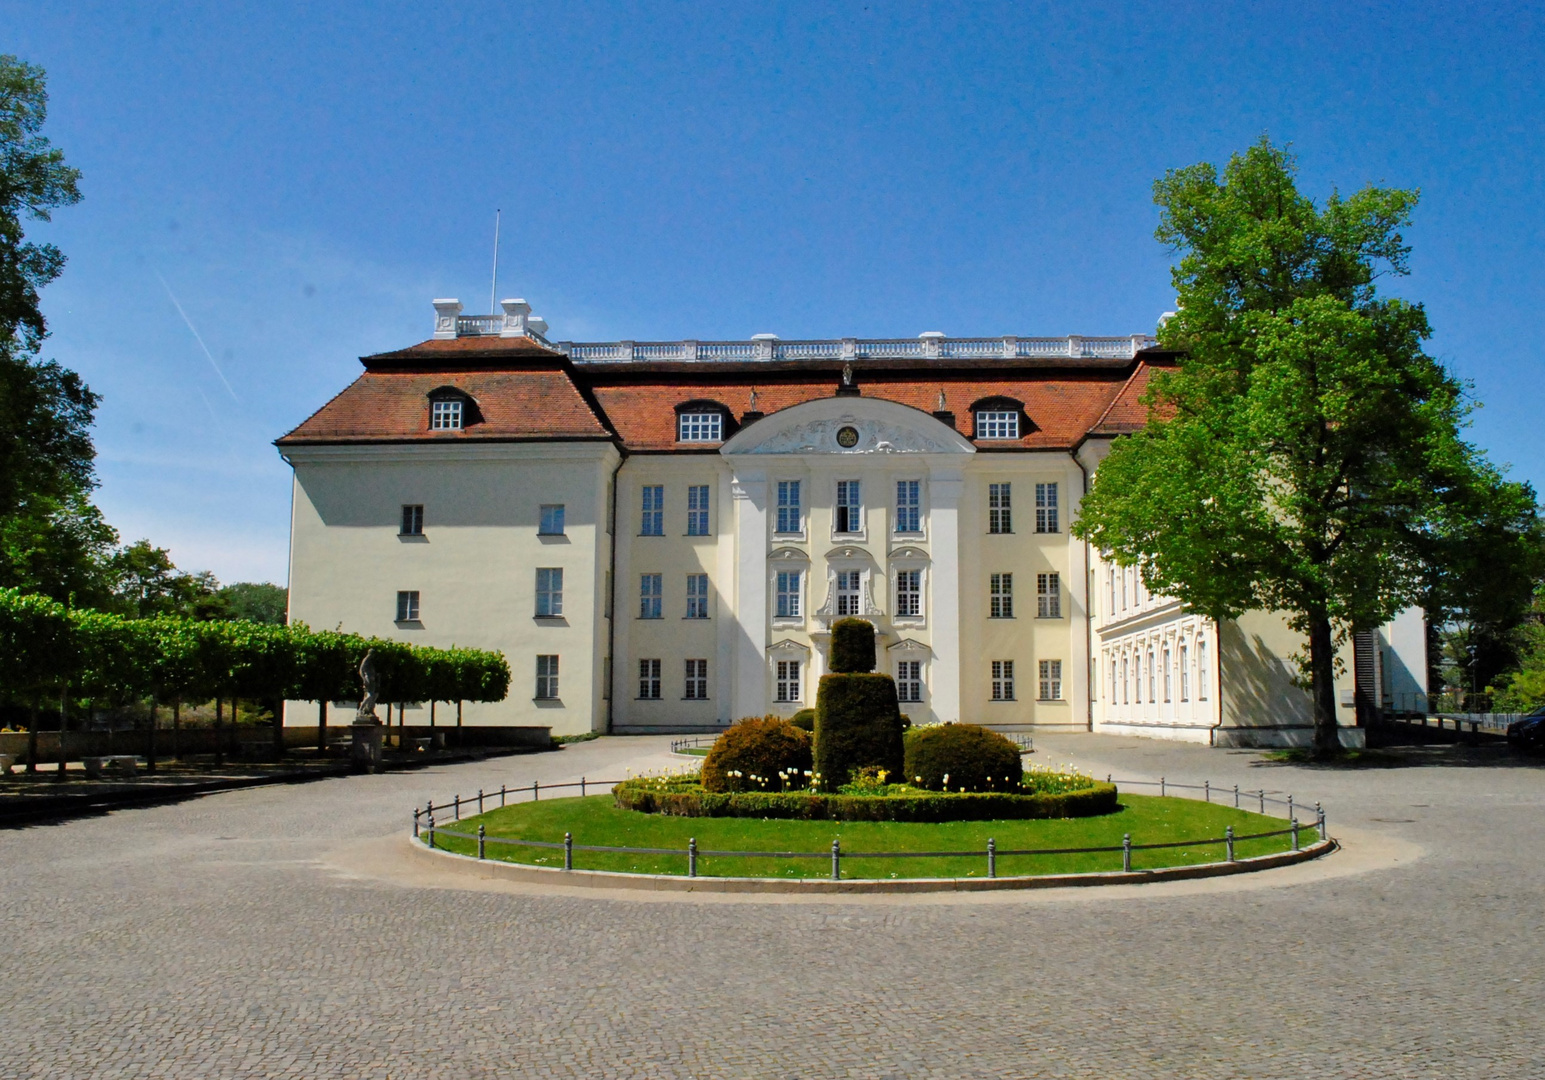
(697, 680)
(1051, 680)
(787, 683)
(1003, 680)
(649, 680)
(546, 678)
(909, 680)
(1201, 671)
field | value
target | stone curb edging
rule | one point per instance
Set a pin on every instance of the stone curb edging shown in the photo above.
(608, 879)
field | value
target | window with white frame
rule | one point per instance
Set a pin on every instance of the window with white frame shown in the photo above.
(407, 606)
(413, 519)
(1137, 677)
(1000, 596)
(1114, 689)
(700, 427)
(445, 414)
(546, 678)
(786, 685)
(1046, 508)
(651, 596)
(552, 520)
(697, 510)
(788, 594)
(909, 594)
(789, 516)
(849, 587)
(849, 514)
(1003, 680)
(1110, 576)
(1151, 679)
(1126, 682)
(1201, 671)
(909, 680)
(1048, 596)
(908, 506)
(1185, 672)
(1169, 676)
(652, 510)
(997, 424)
(1051, 680)
(999, 517)
(697, 680)
(697, 596)
(649, 680)
(549, 592)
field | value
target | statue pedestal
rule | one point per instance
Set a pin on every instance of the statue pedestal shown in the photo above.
(365, 750)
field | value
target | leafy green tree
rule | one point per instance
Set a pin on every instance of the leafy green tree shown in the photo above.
(1304, 456)
(256, 601)
(60, 548)
(146, 583)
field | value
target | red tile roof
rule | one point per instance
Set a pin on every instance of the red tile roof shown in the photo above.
(1127, 413)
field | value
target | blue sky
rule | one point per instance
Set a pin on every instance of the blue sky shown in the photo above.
(302, 180)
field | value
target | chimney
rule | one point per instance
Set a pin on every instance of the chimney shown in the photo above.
(516, 313)
(445, 318)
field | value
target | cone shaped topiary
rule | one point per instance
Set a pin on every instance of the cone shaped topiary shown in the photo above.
(857, 719)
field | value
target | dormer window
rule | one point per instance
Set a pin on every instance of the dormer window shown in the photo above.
(445, 414)
(997, 424)
(700, 427)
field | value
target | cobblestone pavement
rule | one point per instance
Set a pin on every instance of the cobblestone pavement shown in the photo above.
(214, 938)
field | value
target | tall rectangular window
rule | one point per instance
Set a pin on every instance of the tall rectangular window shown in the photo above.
(1003, 680)
(1051, 680)
(649, 680)
(652, 513)
(1201, 671)
(786, 686)
(999, 517)
(549, 592)
(849, 507)
(849, 585)
(908, 507)
(1000, 595)
(546, 678)
(1185, 672)
(789, 519)
(1046, 508)
(1168, 675)
(1111, 581)
(552, 520)
(1112, 665)
(413, 520)
(1126, 682)
(909, 593)
(1152, 696)
(697, 510)
(697, 680)
(697, 596)
(1048, 596)
(701, 427)
(445, 415)
(909, 680)
(788, 594)
(650, 596)
(407, 606)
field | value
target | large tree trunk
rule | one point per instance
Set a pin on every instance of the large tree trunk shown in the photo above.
(64, 704)
(219, 733)
(1322, 688)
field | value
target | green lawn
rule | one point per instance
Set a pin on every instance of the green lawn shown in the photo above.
(597, 820)
(695, 751)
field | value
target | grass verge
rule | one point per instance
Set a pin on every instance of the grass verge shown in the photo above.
(596, 820)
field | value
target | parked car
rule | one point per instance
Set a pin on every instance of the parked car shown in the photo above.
(1528, 734)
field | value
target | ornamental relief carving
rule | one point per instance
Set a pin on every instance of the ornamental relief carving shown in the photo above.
(837, 436)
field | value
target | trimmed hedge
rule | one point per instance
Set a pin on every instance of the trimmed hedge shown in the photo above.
(973, 758)
(804, 720)
(686, 798)
(756, 747)
(852, 647)
(857, 723)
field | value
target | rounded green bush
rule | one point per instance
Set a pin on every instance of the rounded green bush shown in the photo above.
(750, 755)
(804, 720)
(971, 756)
(852, 647)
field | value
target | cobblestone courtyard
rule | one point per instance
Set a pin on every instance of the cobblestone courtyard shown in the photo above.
(243, 935)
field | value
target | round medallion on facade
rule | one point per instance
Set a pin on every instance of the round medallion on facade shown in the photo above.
(847, 437)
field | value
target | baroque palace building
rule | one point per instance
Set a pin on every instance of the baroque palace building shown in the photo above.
(658, 536)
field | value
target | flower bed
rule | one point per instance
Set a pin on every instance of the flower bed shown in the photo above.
(1042, 795)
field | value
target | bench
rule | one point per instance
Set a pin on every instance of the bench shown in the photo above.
(6, 761)
(127, 765)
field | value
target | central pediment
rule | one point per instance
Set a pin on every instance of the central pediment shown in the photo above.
(848, 425)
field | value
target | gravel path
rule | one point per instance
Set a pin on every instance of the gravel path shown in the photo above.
(232, 936)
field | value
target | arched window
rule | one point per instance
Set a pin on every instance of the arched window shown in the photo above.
(1202, 681)
(1185, 672)
(1168, 675)
(451, 409)
(999, 418)
(703, 421)
(1151, 697)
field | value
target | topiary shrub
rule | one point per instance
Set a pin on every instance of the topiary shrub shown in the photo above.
(857, 723)
(971, 756)
(750, 755)
(804, 720)
(852, 646)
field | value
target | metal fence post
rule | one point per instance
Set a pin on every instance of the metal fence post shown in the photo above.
(1263, 800)
(1228, 838)
(479, 800)
(415, 822)
(1161, 787)
(1295, 834)
(536, 790)
(1319, 813)
(836, 861)
(501, 794)
(1207, 790)
(480, 835)
(1290, 808)
(992, 857)
(581, 787)
(431, 829)
(568, 851)
(1236, 796)
(1126, 853)
(692, 856)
